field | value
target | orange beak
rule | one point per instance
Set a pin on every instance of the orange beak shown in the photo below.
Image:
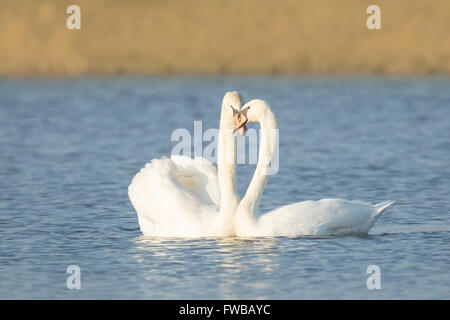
(240, 120)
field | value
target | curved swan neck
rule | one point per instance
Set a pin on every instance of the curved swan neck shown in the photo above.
(226, 172)
(226, 158)
(268, 146)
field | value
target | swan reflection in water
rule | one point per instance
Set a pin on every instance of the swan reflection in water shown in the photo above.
(233, 264)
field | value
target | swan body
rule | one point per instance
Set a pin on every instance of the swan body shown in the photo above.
(320, 218)
(325, 217)
(185, 197)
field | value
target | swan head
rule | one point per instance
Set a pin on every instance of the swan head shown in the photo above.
(231, 105)
(232, 102)
(252, 111)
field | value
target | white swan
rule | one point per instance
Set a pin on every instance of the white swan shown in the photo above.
(321, 218)
(185, 197)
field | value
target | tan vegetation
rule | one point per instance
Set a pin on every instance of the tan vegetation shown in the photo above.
(226, 36)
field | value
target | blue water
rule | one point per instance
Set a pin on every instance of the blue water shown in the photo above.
(70, 147)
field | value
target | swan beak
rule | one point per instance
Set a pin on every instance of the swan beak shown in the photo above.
(240, 120)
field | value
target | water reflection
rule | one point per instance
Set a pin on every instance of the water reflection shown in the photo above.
(234, 265)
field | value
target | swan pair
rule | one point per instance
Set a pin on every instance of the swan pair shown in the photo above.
(185, 197)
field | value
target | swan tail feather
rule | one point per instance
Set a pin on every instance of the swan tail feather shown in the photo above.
(380, 207)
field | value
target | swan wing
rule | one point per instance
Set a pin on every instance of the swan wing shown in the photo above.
(175, 196)
(199, 177)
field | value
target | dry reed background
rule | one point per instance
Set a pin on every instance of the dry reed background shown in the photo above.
(224, 37)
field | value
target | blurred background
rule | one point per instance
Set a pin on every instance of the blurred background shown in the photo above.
(224, 37)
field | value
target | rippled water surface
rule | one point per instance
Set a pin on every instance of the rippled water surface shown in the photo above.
(70, 147)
